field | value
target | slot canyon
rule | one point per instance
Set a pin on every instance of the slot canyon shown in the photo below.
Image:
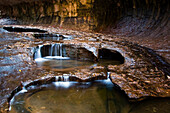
(79, 56)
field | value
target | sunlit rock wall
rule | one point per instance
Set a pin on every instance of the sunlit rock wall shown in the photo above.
(62, 13)
(120, 17)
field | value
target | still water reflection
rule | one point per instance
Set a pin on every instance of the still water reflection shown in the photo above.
(66, 63)
(100, 96)
(57, 57)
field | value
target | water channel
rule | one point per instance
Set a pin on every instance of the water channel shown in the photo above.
(71, 97)
(67, 95)
(59, 56)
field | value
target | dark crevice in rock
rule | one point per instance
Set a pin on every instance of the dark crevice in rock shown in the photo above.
(158, 61)
(52, 37)
(150, 56)
(16, 90)
(111, 55)
(17, 29)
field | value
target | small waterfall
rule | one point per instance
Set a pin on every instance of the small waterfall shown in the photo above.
(56, 50)
(51, 51)
(38, 52)
(62, 78)
(60, 49)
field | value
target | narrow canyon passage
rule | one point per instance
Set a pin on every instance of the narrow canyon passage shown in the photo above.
(117, 51)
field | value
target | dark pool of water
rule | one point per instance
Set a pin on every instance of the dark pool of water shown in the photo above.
(66, 63)
(100, 96)
(18, 29)
(52, 37)
(53, 63)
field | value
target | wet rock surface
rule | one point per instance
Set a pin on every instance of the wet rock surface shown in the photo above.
(49, 92)
(143, 73)
(64, 94)
(141, 21)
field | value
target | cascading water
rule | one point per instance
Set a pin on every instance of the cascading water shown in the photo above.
(60, 57)
(38, 52)
(51, 51)
(57, 56)
(56, 51)
(63, 96)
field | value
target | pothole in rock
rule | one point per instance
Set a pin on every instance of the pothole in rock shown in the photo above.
(52, 37)
(58, 95)
(69, 94)
(20, 29)
(65, 57)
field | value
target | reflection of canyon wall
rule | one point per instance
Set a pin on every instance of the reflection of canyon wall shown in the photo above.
(66, 13)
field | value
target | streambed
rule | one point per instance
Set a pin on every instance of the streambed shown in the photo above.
(73, 97)
(133, 73)
(68, 96)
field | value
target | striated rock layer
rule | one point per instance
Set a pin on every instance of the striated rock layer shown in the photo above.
(143, 73)
(141, 21)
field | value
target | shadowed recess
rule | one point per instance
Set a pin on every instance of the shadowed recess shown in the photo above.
(17, 29)
(111, 55)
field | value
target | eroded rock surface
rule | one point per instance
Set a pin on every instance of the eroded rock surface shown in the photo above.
(143, 73)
